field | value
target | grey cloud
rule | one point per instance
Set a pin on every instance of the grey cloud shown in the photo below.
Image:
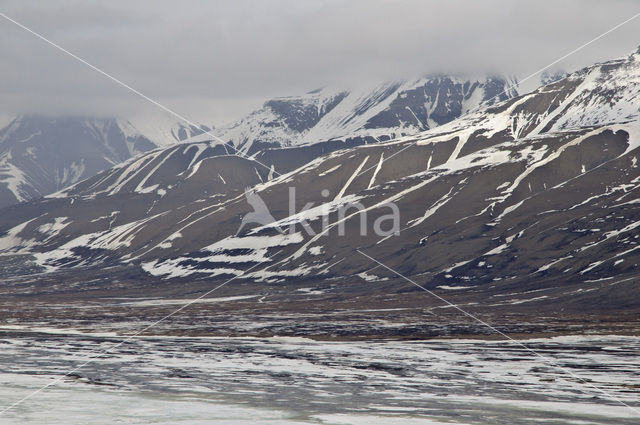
(209, 58)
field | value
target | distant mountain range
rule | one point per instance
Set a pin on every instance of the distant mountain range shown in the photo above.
(533, 199)
(41, 155)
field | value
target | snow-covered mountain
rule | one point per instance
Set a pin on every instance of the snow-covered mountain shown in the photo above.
(530, 200)
(40, 155)
(369, 113)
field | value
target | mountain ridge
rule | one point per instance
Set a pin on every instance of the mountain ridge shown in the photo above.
(41, 155)
(376, 112)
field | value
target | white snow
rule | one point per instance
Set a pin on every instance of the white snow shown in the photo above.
(497, 250)
(351, 179)
(330, 170)
(453, 288)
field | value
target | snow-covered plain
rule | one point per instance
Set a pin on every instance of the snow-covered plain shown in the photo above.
(300, 381)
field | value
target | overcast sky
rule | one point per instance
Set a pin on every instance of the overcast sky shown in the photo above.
(214, 60)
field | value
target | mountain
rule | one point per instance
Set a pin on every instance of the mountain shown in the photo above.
(371, 113)
(528, 203)
(41, 155)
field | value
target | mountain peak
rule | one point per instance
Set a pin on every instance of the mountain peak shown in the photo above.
(368, 113)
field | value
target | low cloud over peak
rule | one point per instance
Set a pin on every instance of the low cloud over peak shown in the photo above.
(214, 60)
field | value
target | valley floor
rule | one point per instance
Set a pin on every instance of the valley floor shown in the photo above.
(117, 302)
(309, 352)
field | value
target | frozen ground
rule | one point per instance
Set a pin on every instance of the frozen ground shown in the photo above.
(299, 381)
